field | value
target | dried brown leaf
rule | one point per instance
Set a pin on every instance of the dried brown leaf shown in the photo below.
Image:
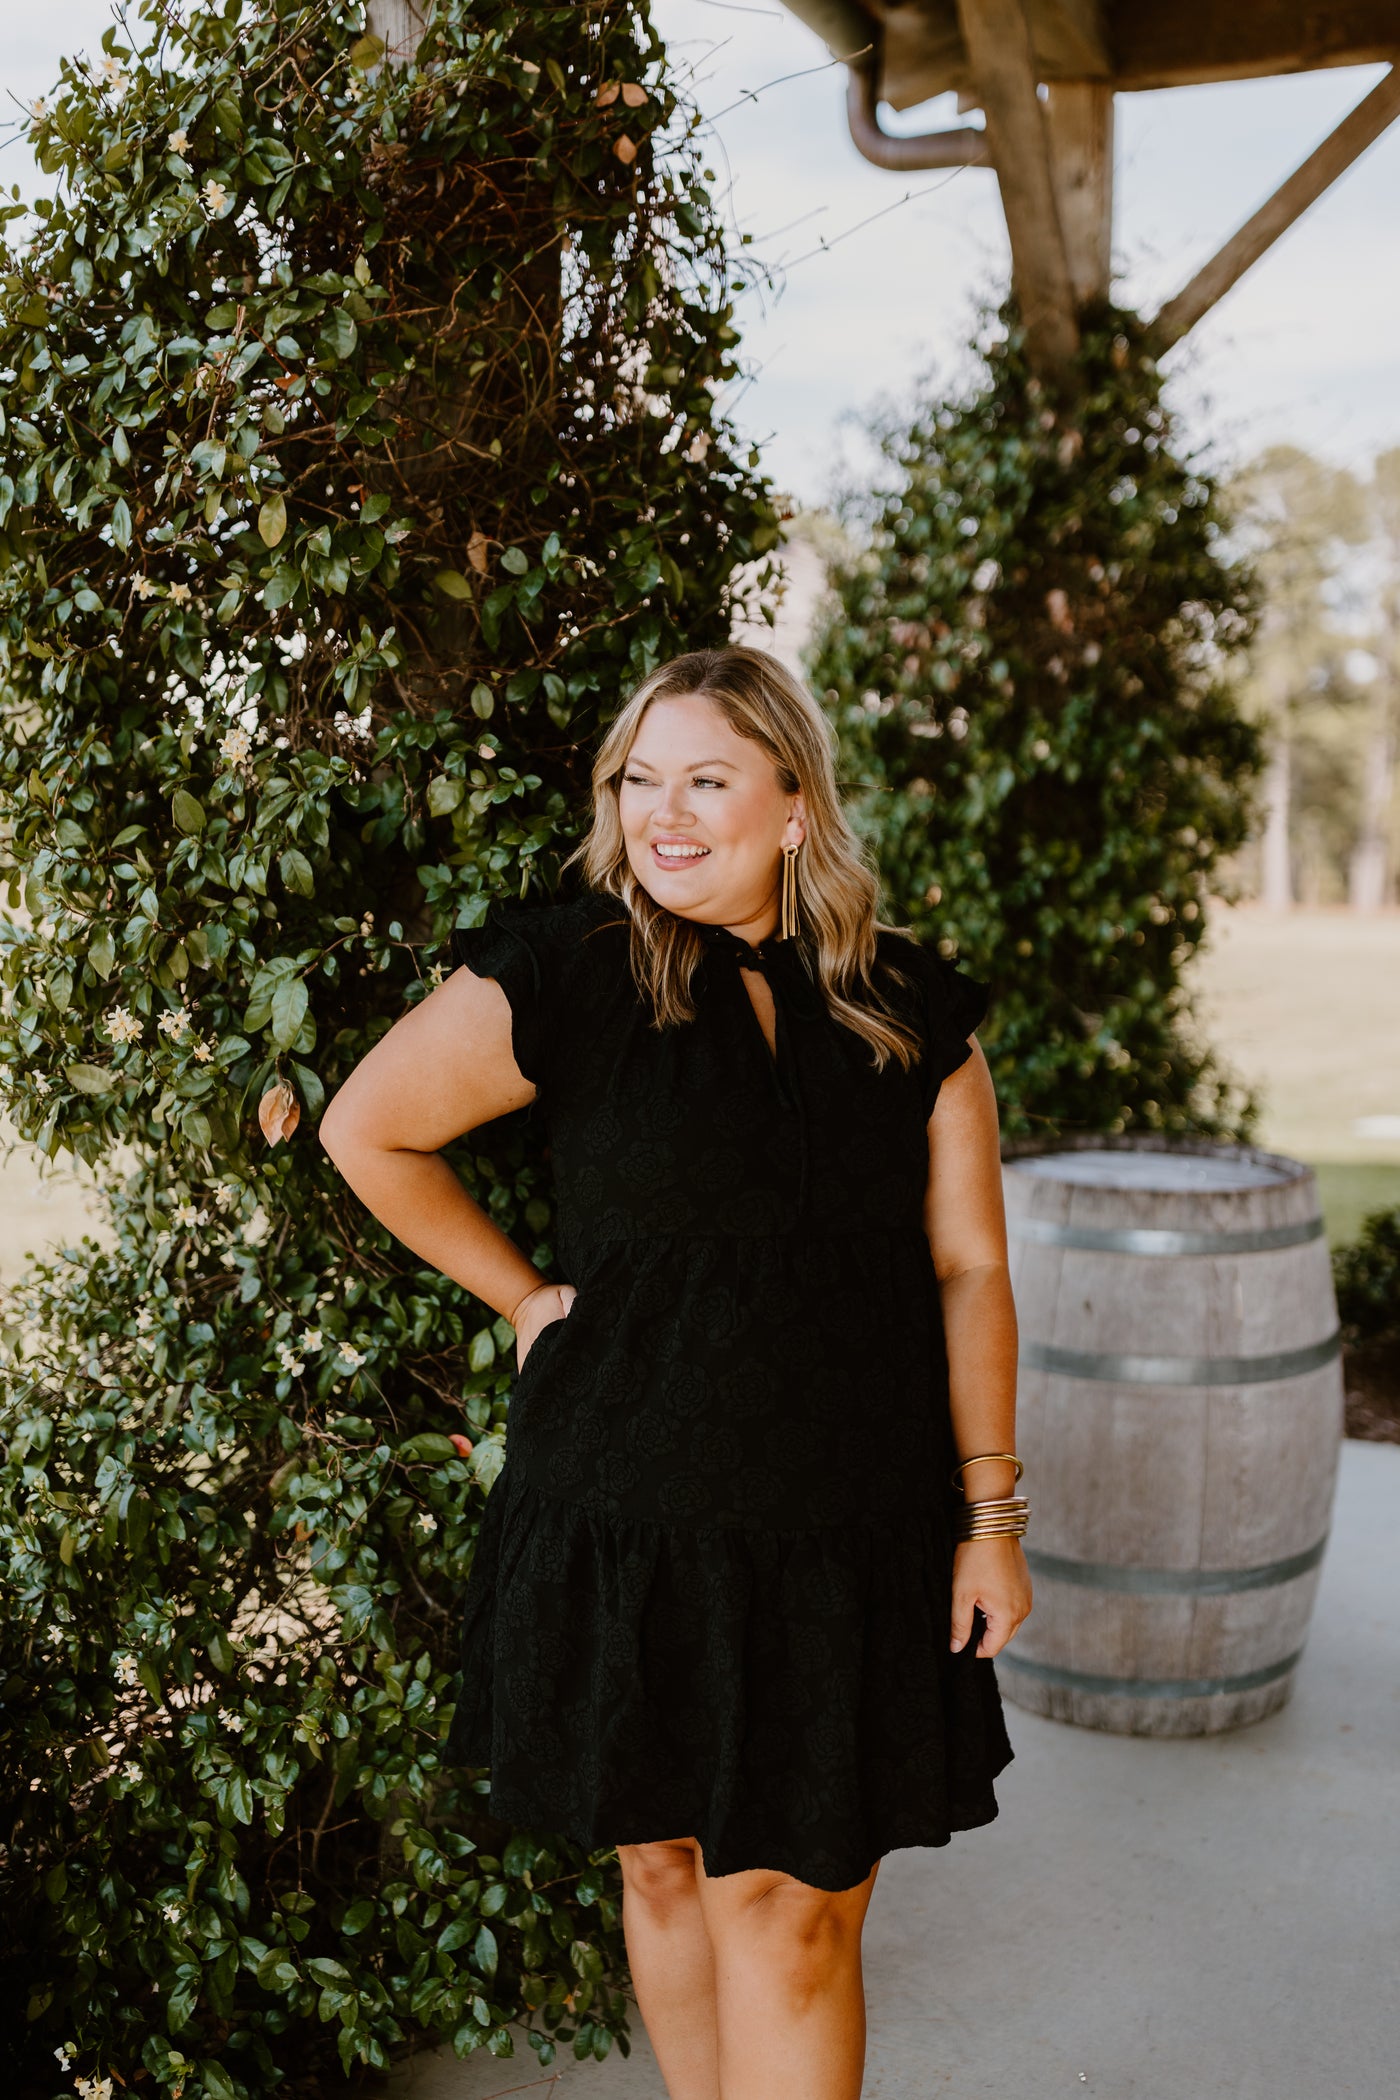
(633, 94)
(625, 150)
(279, 1112)
(476, 552)
(608, 94)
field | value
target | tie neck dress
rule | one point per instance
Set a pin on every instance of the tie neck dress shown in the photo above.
(711, 1592)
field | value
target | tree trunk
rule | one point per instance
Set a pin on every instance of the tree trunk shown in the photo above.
(1277, 886)
(1369, 873)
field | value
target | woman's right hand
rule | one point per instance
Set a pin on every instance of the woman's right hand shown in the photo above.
(550, 1301)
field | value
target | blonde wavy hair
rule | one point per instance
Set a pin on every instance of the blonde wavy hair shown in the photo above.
(838, 888)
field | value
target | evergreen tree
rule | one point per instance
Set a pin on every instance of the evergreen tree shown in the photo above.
(1026, 661)
(358, 453)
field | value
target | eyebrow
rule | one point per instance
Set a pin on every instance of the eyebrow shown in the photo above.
(694, 765)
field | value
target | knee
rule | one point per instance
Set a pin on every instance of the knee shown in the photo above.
(660, 1877)
(802, 1937)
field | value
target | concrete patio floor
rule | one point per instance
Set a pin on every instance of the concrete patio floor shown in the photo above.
(1214, 1919)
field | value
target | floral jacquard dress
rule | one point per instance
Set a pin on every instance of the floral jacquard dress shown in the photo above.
(711, 1595)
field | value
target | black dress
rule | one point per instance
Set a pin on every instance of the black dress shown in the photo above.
(711, 1591)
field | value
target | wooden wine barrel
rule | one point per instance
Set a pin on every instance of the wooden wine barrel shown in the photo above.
(1180, 1419)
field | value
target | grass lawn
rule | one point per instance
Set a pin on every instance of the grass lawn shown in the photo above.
(1305, 1006)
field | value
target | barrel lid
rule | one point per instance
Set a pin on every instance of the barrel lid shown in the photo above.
(1207, 1172)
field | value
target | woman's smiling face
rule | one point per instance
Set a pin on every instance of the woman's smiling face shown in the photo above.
(704, 815)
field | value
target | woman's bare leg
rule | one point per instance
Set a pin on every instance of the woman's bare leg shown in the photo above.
(791, 1998)
(672, 1963)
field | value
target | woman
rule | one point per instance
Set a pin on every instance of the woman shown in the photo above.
(717, 1615)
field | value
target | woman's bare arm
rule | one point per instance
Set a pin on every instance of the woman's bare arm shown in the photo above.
(966, 1227)
(445, 1067)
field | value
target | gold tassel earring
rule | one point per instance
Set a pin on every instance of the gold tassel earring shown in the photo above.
(789, 907)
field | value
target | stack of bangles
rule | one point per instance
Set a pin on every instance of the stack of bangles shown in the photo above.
(1004, 1517)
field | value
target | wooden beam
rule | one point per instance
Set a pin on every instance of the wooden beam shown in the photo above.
(999, 53)
(1079, 119)
(1069, 37)
(1303, 187)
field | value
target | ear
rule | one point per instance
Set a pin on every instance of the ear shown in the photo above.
(795, 829)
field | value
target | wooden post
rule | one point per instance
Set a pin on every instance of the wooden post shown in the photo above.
(1303, 187)
(401, 24)
(1079, 119)
(1003, 67)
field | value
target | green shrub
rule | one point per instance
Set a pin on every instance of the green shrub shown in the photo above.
(1026, 663)
(1368, 1279)
(358, 453)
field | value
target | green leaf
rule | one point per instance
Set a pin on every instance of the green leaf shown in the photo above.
(445, 794)
(453, 584)
(220, 1653)
(485, 1953)
(515, 560)
(272, 520)
(187, 812)
(289, 1004)
(373, 508)
(339, 333)
(92, 1079)
(217, 2081)
(427, 1446)
(482, 1353)
(366, 52)
(121, 524)
(295, 870)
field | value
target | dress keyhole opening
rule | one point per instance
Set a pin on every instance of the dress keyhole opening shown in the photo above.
(759, 993)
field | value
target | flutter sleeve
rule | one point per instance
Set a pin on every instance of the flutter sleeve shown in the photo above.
(951, 1006)
(508, 946)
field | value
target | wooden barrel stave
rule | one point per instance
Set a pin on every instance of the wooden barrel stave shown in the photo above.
(1180, 1420)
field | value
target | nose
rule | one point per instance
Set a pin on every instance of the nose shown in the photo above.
(670, 810)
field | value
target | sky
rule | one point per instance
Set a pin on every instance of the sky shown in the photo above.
(878, 276)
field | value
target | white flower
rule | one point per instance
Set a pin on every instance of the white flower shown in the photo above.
(351, 1358)
(226, 1195)
(311, 1340)
(125, 1669)
(145, 1318)
(174, 1023)
(234, 746)
(202, 1051)
(179, 594)
(188, 1213)
(64, 2053)
(426, 1520)
(39, 109)
(236, 1722)
(178, 142)
(41, 1082)
(357, 726)
(697, 448)
(289, 1360)
(132, 1772)
(354, 88)
(143, 586)
(122, 1025)
(367, 924)
(171, 1912)
(215, 196)
(257, 1227)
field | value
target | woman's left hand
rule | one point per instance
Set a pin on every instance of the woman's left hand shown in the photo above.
(992, 1574)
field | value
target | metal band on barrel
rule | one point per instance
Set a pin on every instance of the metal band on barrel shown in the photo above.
(1173, 1582)
(1181, 1370)
(1153, 1240)
(1149, 1687)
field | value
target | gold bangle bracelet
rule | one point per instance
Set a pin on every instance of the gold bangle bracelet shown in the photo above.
(985, 1458)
